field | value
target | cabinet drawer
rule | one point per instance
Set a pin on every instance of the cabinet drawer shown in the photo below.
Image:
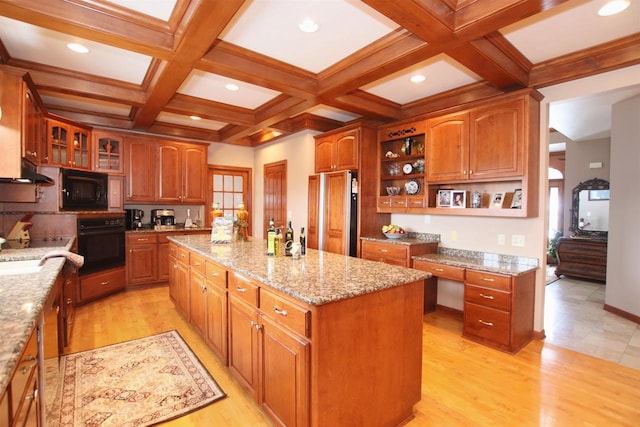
(100, 284)
(216, 274)
(488, 280)
(24, 371)
(384, 202)
(244, 288)
(440, 270)
(183, 255)
(375, 250)
(416, 202)
(487, 323)
(197, 263)
(488, 297)
(285, 313)
(138, 238)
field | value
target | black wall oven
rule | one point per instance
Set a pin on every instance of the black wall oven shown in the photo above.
(101, 242)
(84, 190)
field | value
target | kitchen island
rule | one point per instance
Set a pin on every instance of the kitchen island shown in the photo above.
(321, 340)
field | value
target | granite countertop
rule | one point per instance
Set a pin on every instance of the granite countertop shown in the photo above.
(488, 262)
(21, 300)
(407, 241)
(167, 228)
(316, 278)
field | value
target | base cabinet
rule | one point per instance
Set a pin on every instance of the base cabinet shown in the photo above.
(19, 405)
(142, 258)
(395, 253)
(99, 285)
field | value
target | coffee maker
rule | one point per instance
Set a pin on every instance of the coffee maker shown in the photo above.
(133, 218)
(163, 217)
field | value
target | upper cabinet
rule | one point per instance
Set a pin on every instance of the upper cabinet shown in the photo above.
(337, 152)
(139, 170)
(108, 149)
(490, 151)
(69, 145)
(34, 128)
(181, 173)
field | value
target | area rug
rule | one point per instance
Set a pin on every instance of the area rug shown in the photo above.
(135, 383)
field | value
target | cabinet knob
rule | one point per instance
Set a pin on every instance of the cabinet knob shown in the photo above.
(255, 325)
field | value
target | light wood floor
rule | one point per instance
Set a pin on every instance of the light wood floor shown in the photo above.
(463, 383)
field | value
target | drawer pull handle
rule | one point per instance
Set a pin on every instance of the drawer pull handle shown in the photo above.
(485, 323)
(488, 279)
(106, 282)
(215, 274)
(486, 296)
(439, 269)
(30, 357)
(239, 289)
(142, 240)
(384, 251)
(196, 263)
(280, 312)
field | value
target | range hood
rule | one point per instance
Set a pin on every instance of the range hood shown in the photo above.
(29, 175)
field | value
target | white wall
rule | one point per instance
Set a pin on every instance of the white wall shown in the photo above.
(623, 282)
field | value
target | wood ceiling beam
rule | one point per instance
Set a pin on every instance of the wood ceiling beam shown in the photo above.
(188, 105)
(206, 22)
(91, 119)
(367, 104)
(161, 128)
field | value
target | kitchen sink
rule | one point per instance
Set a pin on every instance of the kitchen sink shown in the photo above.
(19, 267)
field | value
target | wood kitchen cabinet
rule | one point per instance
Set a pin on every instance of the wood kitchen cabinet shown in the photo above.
(69, 145)
(142, 258)
(98, 285)
(181, 173)
(139, 169)
(34, 127)
(108, 151)
(179, 280)
(70, 284)
(216, 310)
(337, 152)
(396, 253)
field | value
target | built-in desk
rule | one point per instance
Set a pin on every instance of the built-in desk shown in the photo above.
(498, 296)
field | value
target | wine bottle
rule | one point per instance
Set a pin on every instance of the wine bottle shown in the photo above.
(278, 242)
(271, 239)
(303, 242)
(288, 239)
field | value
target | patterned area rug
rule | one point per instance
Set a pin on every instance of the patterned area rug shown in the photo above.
(135, 383)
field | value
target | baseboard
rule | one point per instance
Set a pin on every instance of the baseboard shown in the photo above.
(539, 335)
(622, 313)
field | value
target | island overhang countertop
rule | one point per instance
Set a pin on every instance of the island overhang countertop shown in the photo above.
(316, 278)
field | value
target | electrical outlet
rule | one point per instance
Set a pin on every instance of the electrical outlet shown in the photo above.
(501, 239)
(517, 240)
(427, 219)
(454, 236)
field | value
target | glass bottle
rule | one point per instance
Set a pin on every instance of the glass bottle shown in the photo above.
(303, 242)
(288, 239)
(278, 243)
(271, 239)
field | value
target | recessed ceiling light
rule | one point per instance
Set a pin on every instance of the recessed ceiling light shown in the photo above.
(308, 26)
(77, 47)
(195, 117)
(231, 86)
(418, 78)
(613, 7)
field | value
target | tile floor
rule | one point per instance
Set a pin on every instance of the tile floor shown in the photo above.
(574, 319)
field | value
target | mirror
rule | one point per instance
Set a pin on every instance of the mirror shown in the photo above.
(590, 209)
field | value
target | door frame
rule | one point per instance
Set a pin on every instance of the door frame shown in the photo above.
(246, 173)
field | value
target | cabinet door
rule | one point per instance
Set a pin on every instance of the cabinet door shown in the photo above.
(346, 151)
(115, 192)
(496, 144)
(173, 274)
(32, 131)
(80, 148)
(335, 225)
(324, 154)
(139, 170)
(194, 174)
(183, 290)
(243, 344)
(284, 375)
(142, 263)
(163, 261)
(313, 211)
(169, 173)
(197, 301)
(447, 148)
(107, 152)
(59, 139)
(216, 320)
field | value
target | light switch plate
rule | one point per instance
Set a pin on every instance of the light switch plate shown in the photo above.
(517, 240)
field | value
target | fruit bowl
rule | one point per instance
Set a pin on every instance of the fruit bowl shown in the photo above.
(395, 235)
(393, 231)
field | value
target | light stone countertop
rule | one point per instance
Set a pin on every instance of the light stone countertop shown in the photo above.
(491, 263)
(317, 278)
(21, 301)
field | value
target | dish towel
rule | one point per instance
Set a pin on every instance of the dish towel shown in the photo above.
(73, 261)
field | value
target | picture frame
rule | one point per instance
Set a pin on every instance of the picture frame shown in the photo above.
(516, 201)
(458, 199)
(595, 195)
(443, 199)
(497, 199)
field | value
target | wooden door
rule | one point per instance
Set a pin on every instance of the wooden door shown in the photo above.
(228, 186)
(284, 375)
(346, 151)
(243, 350)
(216, 327)
(275, 194)
(169, 173)
(335, 208)
(324, 154)
(496, 143)
(139, 170)
(447, 148)
(313, 212)
(194, 174)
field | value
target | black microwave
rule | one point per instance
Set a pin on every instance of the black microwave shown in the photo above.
(84, 190)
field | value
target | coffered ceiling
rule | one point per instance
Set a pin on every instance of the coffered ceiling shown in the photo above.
(152, 64)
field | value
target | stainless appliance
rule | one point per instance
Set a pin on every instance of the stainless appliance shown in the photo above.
(84, 190)
(163, 216)
(133, 218)
(101, 242)
(333, 212)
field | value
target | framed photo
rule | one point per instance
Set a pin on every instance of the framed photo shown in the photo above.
(497, 199)
(598, 195)
(444, 199)
(458, 199)
(516, 202)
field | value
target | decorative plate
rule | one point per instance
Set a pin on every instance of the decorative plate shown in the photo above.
(412, 187)
(407, 168)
